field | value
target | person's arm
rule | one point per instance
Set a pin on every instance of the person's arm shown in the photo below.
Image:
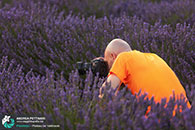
(118, 72)
(114, 82)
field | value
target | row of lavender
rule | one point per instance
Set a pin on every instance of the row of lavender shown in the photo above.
(169, 11)
(42, 38)
(74, 103)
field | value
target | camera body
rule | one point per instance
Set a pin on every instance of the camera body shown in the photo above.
(97, 65)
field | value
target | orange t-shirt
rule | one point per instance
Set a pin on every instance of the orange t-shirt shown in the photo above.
(148, 72)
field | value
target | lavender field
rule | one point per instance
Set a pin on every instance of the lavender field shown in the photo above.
(41, 41)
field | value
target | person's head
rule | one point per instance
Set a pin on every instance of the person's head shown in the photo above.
(113, 49)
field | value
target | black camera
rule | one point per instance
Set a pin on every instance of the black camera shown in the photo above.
(97, 65)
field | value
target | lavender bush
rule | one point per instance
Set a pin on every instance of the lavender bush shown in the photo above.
(40, 42)
(62, 102)
(52, 40)
(169, 11)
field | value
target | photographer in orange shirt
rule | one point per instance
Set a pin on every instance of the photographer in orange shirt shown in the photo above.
(138, 70)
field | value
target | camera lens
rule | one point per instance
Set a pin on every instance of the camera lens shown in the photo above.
(79, 65)
(87, 66)
(80, 68)
(83, 67)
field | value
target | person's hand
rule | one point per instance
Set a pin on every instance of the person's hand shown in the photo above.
(101, 96)
(101, 93)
